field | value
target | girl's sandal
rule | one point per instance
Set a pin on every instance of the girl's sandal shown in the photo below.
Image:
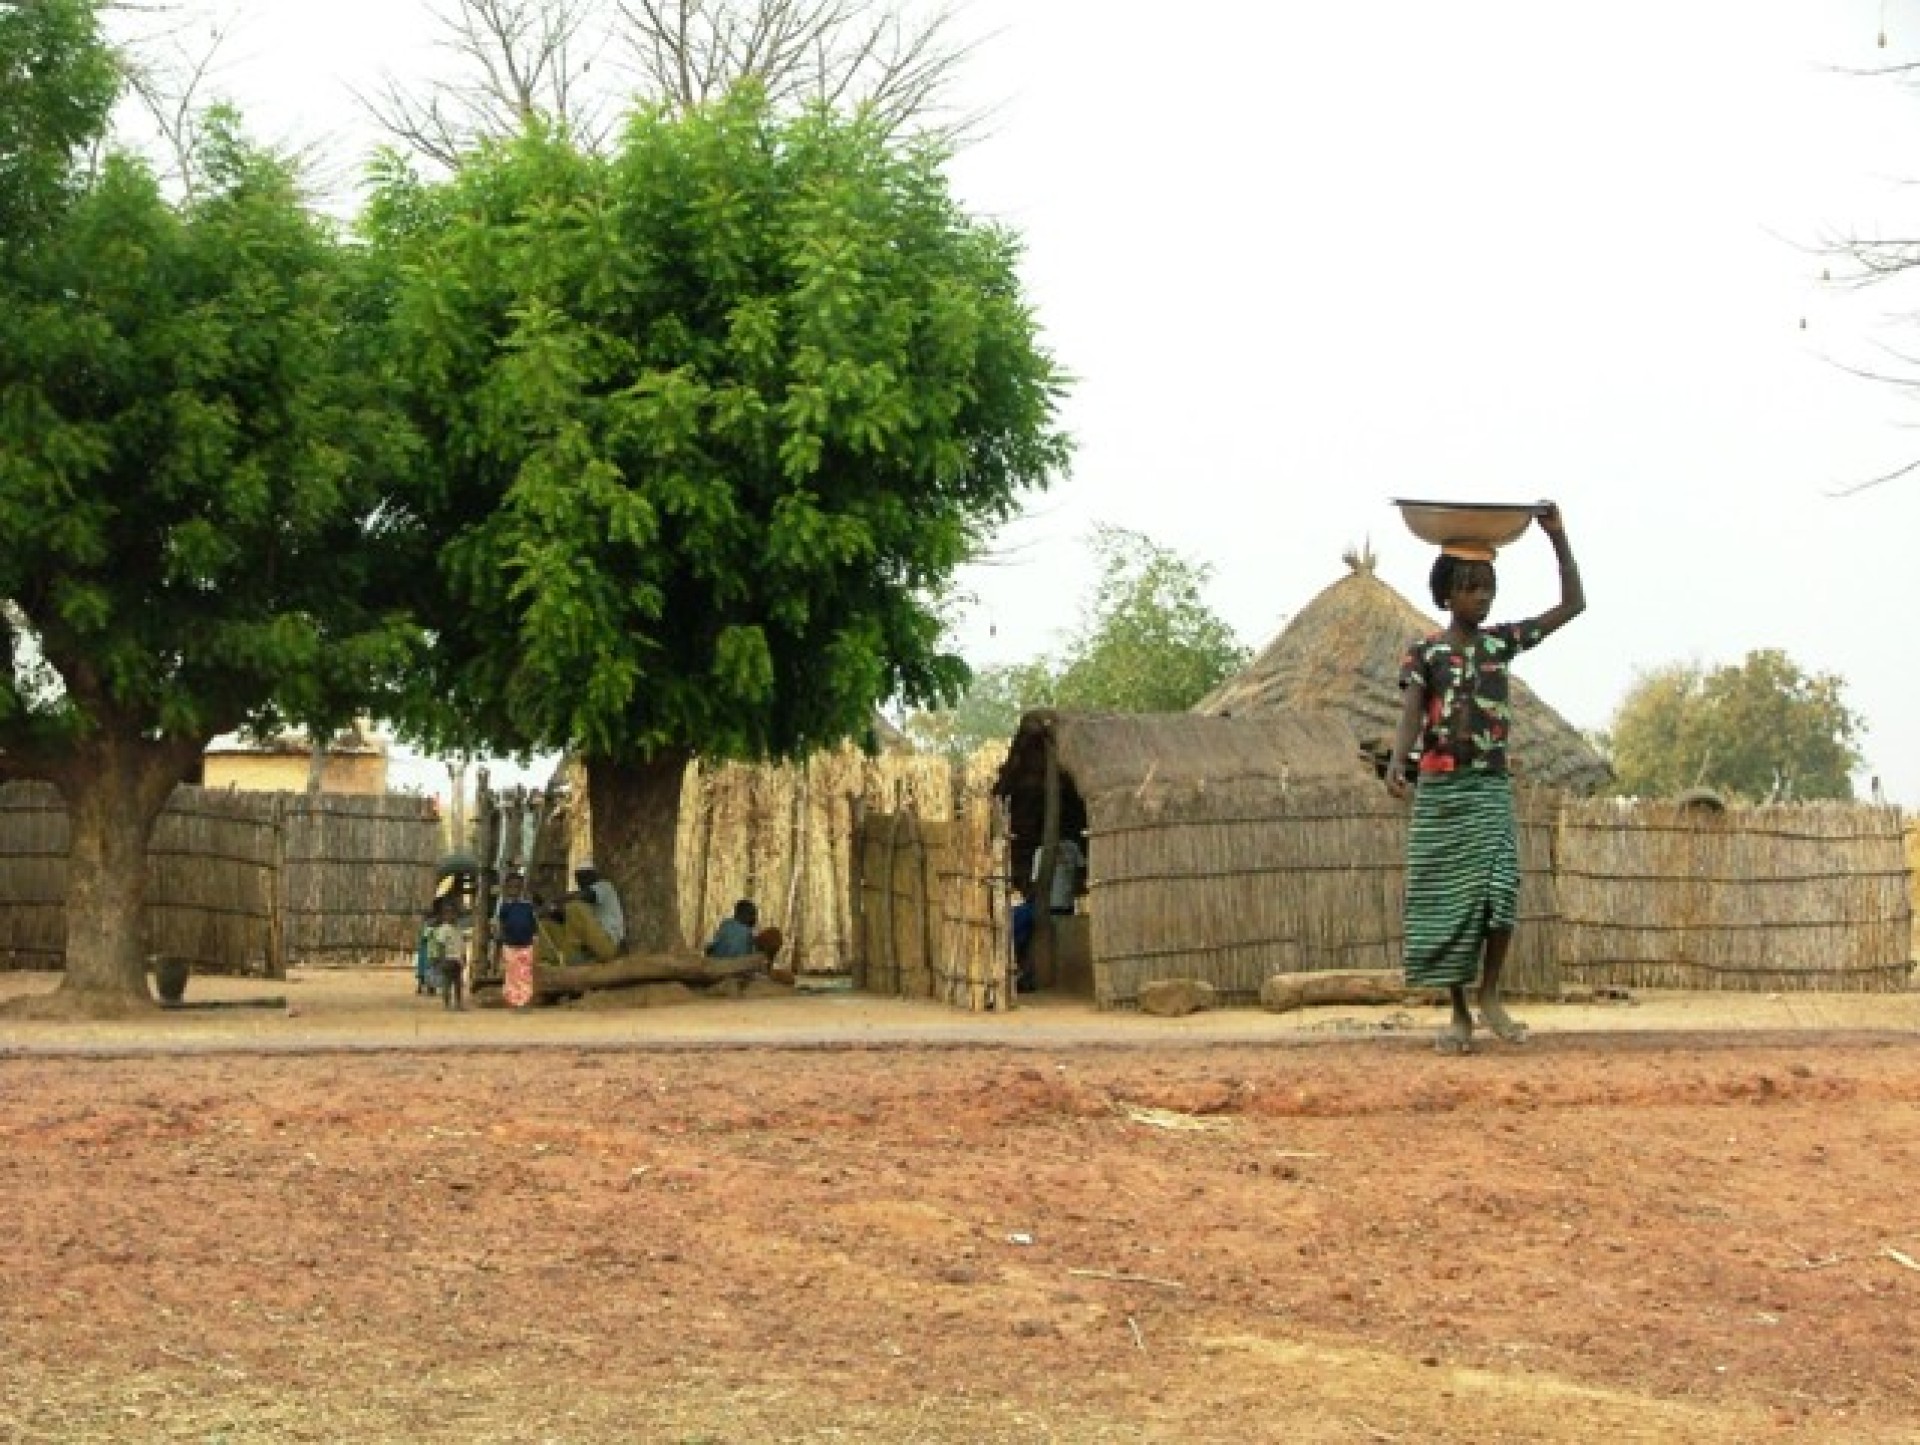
(1453, 1042)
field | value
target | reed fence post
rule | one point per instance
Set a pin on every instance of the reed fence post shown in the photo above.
(858, 942)
(889, 904)
(279, 894)
(796, 863)
(1006, 992)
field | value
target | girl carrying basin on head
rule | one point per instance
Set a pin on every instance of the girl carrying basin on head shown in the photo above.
(1463, 862)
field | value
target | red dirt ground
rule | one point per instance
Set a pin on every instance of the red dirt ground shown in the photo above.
(1627, 1237)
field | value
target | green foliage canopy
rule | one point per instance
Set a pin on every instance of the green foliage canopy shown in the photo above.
(191, 457)
(710, 419)
(58, 83)
(189, 468)
(1762, 729)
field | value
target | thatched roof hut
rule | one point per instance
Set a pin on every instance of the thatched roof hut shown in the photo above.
(1150, 760)
(1342, 654)
(1225, 849)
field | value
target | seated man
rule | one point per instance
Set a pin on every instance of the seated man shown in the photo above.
(599, 894)
(734, 937)
(587, 927)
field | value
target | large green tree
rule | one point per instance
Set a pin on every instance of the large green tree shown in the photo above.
(712, 416)
(1764, 729)
(189, 468)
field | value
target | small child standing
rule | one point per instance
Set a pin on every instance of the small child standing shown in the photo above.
(424, 981)
(516, 926)
(444, 954)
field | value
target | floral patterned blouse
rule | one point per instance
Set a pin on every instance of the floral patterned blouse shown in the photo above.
(1467, 719)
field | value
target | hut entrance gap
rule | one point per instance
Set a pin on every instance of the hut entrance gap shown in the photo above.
(1040, 817)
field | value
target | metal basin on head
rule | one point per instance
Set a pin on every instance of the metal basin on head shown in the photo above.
(1468, 524)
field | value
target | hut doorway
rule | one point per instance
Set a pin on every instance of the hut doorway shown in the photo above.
(1050, 857)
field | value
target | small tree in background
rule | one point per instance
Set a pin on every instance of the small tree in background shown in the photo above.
(987, 713)
(1148, 641)
(1761, 730)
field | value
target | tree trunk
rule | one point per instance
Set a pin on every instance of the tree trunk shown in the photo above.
(115, 789)
(636, 843)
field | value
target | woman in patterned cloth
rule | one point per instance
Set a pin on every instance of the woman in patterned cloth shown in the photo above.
(1463, 869)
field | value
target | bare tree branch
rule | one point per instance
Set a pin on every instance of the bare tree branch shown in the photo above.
(833, 52)
(170, 95)
(1856, 488)
(512, 61)
(517, 61)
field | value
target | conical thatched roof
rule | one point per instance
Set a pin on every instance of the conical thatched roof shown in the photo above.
(1342, 653)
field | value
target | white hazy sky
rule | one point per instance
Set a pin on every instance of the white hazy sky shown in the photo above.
(1306, 255)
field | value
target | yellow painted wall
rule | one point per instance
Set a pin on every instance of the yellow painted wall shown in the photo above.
(361, 773)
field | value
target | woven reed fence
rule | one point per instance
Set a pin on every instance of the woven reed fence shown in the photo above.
(932, 906)
(1234, 889)
(1912, 832)
(1809, 896)
(238, 882)
(783, 835)
(356, 874)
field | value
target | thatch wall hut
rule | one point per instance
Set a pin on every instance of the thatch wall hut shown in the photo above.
(1801, 896)
(1342, 654)
(1229, 849)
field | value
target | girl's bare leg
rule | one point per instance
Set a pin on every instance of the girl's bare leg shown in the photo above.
(1493, 1013)
(1457, 1036)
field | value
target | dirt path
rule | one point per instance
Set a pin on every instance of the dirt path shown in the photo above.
(1628, 1234)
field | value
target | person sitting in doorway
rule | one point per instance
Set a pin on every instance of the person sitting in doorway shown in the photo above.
(734, 938)
(1067, 871)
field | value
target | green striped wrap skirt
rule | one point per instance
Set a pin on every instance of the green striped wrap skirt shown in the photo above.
(1463, 874)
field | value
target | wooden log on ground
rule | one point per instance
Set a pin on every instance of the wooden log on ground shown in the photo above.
(633, 968)
(1287, 991)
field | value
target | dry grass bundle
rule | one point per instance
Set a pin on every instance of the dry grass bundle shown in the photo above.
(1912, 834)
(782, 834)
